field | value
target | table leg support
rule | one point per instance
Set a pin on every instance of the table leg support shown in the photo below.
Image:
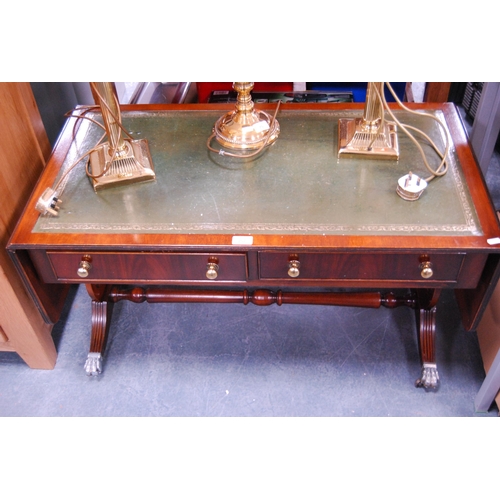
(426, 327)
(101, 318)
(423, 300)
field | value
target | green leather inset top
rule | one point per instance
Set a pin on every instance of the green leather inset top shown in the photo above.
(296, 186)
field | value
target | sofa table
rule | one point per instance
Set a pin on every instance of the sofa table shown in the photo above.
(295, 225)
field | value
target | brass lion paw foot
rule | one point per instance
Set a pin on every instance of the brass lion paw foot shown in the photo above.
(429, 378)
(93, 365)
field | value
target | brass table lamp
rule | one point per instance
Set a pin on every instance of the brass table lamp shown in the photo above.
(116, 162)
(120, 160)
(373, 136)
(370, 135)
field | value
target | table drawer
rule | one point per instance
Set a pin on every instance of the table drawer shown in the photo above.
(360, 266)
(114, 267)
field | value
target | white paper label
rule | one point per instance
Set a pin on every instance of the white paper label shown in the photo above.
(242, 240)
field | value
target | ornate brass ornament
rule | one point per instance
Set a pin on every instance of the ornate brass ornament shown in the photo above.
(245, 129)
(120, 160)
(370, 135)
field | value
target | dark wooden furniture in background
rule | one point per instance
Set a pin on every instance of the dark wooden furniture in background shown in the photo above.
(437, 91)
(24, 149)
(296, 225)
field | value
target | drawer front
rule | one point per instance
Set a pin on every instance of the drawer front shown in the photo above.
(114, 267)
(360, 266)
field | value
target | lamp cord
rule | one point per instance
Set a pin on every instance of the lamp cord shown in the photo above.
(443, 166)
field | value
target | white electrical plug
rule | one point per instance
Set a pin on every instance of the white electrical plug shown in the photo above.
(48, 202)
(410, 187)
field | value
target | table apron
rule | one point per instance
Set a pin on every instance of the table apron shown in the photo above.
(264, 268)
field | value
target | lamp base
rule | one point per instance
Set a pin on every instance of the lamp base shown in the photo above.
(246, 131)
(133, 165)
(355, 139)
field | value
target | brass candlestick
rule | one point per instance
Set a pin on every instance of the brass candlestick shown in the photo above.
(370, 135)
(246, 128)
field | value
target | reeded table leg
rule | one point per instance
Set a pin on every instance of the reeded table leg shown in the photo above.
(101, 317)
(426, 326)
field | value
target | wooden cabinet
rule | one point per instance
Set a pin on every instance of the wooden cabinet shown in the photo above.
(24, 149)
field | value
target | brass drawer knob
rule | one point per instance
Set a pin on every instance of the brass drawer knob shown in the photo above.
(212, 268)
(426, 270)
(85, 266)
(294, 268)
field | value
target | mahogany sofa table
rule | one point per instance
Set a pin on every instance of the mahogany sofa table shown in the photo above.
(295, 225)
